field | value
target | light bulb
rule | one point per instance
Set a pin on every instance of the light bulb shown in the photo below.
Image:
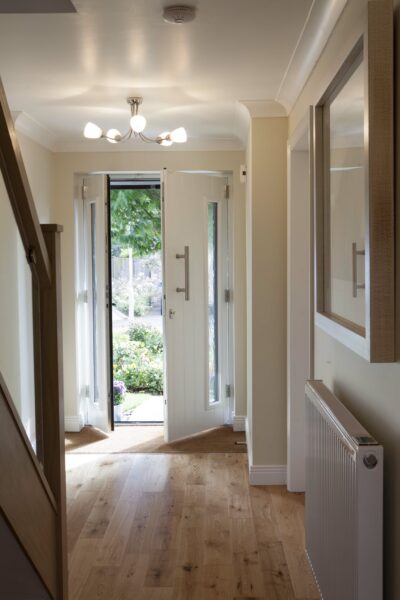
(113, 136)
(92, 131)
(138, 123)
(179, 135)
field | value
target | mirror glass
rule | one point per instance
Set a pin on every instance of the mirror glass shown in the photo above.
(345, 216)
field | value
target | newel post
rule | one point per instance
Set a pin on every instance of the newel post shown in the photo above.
(53, 395)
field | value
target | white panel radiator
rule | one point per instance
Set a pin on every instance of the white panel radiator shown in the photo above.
(344, 500)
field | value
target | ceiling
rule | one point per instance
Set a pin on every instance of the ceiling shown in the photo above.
(61, 70)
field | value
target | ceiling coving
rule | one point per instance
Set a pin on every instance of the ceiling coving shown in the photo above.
(137, 124)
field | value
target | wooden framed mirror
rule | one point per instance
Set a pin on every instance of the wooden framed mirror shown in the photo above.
(353, 190)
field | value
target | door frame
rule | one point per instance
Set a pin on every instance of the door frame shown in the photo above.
(83, 352)
(109, 290)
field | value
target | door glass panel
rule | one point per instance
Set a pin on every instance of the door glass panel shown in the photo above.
(94, 297)
(16, 319)
(213, 386)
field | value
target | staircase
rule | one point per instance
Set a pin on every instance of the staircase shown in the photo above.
(32, 478)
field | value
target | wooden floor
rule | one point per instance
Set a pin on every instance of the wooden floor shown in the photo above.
(148, 438)
(182, 527)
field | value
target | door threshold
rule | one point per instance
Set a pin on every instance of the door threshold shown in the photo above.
(138, 423)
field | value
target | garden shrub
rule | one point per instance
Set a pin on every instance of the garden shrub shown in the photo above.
(138, 367)
(149, 336)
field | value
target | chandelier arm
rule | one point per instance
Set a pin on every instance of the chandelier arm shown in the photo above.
(148, 140)
(123, 138)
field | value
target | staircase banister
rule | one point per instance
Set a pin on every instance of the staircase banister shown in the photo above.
(20, 195)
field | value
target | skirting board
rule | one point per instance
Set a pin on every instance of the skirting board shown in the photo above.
(239, 423)
(73, 424)
(267, 474)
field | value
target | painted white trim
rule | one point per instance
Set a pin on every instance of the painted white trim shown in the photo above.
(34, 130)
(73, 424)
(267, 474)
(264, 108)
(249, 442)
(317, 29)
(352, 340)
(239, 423)
(193, 144)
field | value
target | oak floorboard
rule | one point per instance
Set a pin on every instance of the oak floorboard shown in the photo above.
(100, 584)
(182, 527)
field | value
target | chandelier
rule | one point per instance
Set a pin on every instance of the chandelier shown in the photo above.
(137, 124)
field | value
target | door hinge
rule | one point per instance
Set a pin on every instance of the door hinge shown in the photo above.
(84, 296)
(227, 190)
(86, 391)
(228, 390)
(227, 295)
(84, 191)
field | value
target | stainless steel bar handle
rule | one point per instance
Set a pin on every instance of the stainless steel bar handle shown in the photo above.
(185, 256)
(355, 253)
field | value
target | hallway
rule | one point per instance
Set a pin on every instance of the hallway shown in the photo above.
(182, 527)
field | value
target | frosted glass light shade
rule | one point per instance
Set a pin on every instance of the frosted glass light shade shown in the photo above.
(113, 136)
(92, 131)
(179, 136)
(138, 123)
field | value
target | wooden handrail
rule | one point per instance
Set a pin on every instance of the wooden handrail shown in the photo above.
(20, 195)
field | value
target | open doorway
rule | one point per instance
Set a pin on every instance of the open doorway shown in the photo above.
(153, 301)
(136, 285)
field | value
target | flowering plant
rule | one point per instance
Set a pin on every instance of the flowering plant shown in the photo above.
(119, 391)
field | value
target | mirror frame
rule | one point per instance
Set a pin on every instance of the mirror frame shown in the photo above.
(375, 343)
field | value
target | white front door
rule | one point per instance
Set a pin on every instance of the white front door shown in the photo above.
(196, 317)
(92, 302)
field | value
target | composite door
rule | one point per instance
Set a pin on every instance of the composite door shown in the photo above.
(195, 312)
(92, 302)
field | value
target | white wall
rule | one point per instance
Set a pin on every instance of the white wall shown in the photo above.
(370, 391)
(266, 296)
(69, 163)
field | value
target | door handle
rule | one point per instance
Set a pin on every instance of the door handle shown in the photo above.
(185, 257)
(355, 253)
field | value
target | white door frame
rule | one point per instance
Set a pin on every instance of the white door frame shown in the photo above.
(300, 306)
(82, 317)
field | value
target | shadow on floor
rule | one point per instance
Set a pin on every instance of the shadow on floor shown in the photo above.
(150, 439)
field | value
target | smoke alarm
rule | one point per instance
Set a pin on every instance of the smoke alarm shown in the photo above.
(179, 14)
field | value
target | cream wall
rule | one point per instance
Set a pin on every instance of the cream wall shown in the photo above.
(372, 392)
(39, 164)
(66, 164)
(266, 292)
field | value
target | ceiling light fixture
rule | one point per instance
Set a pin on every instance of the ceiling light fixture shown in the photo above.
(179, 14)
(137, 124)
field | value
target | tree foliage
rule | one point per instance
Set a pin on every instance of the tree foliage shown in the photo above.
(136, 221)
